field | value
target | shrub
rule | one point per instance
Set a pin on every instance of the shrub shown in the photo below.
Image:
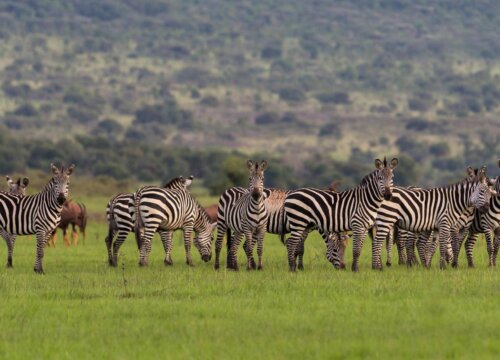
(341, 98)
(83, 115)
(291, 95)
(267, 118)
(330, 129)
(210, 101)
(27, 110)
(439, 149)
(270, 52)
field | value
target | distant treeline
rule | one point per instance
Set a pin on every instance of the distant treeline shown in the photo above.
(220, 169)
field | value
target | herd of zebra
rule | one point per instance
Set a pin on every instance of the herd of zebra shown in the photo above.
(443, 216)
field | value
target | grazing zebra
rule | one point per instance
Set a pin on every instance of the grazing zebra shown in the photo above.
(165, 210)
(245, 215)
(17, 188)
(36, 214)
(420, 210)
(120, 221)
(328, 211)
(274, 200)
(486, 222)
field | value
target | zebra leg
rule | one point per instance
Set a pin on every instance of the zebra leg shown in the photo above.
(292, 244)
(381, 235)
(221, 229)
(187, 245)
(444, 240)
(469, 247)
(400, 240)
(248, 248)
(249, 251)
(489, 246)
(260, 247)
(53, 238)
(411, 239)
(120, 238)
(233, 264)
(109, 240)
(166, 240)
(457, 239)
(299, 255)
(388, 249)
(41, 240)
(9, 241)
(422, 242)
(496, 245)
(145, 247)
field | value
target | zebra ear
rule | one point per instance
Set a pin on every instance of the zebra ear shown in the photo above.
(250, 165)
(394, 163)
(493, 192)
(470, 171)
(379, 164)
(26, 181)
(69, 171)
(263, 165)
(55, 169)
(9, 180)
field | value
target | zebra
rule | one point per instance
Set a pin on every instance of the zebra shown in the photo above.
(16, 188)
(120, 221)
(487, 222)
(420, 210)
(165, 210)
(274, 199)
(245, 215)
(36, 214)
(328, 211)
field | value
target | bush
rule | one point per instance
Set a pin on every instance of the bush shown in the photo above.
(108, 127)
(167, 114)
(330, 129)
(210, 101)
(439, 149)
(27, 110)
(83, 115)
(270, 52)
(292, 95)
(341, 98)
(267, 118)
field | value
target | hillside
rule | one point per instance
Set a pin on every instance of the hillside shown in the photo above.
(316, 84)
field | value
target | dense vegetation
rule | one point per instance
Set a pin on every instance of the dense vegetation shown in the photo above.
(151, 89)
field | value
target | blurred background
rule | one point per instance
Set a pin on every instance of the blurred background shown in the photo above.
(142, 91)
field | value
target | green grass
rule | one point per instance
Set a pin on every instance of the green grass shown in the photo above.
(82, 308)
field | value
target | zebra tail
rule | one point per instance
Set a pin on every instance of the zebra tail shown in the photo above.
(139, 223)
(395, 236)
(283, 225)
(84, 219)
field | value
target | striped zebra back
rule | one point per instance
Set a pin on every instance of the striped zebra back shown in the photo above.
(41, 212)
(248, 212)
(118, 211)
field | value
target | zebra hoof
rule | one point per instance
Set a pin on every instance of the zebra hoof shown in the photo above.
(168, 262)
(300, 267)
(39, 271)
(355, 268)
(388, 264)
(143, 263)
(259, 267)
(442, 264)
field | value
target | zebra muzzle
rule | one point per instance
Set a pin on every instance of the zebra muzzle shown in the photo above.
(206, 258)
(256, 193)
(61, 199)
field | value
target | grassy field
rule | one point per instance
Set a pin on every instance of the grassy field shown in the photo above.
(82, 308)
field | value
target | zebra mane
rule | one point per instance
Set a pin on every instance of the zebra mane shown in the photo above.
(174, 181)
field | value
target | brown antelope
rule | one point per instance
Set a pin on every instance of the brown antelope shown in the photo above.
(212, 212)
(74, 214)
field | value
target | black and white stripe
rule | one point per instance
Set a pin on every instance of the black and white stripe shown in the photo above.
(36, 214)
(244, 214)
(120, 222)
(165, 210)
(332, 212)
(419, 210)
(16, 188)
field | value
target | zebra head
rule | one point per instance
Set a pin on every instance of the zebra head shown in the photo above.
(481, 194)
(18, 187)
(60, 182)
(256, 178)
(203, 241)
(384, 176)
(335, 249)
